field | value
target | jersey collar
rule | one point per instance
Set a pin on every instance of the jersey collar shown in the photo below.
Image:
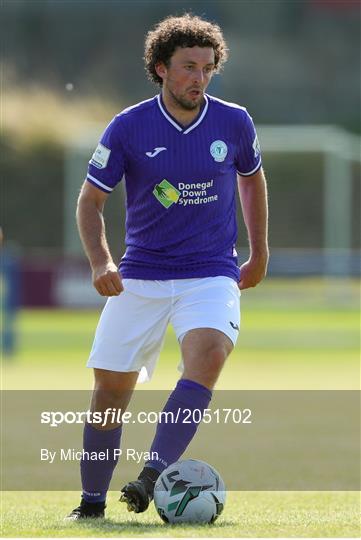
(185, 130)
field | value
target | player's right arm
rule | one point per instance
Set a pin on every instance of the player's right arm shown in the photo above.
(89, 215)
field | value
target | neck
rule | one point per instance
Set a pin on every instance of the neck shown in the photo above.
(182, 115)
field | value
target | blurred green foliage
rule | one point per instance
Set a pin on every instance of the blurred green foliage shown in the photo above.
(290, 62)
(68, 65)
(33, 174)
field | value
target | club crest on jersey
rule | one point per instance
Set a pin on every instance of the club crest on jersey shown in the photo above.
(218, 150)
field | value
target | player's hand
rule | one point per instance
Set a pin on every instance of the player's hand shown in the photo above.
(253, 271)
(107, 280)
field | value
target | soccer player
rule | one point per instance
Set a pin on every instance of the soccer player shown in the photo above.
(182, 154)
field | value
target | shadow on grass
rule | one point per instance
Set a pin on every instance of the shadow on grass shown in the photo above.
(110, 525)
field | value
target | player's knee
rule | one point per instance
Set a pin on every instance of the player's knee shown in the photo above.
(216, 358)
(206, 370)
(105, 397)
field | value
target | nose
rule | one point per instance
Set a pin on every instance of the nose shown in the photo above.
(198, 76)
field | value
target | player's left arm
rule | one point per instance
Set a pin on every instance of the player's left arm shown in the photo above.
(253, 196)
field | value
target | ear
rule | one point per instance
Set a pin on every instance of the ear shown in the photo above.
(161, 70)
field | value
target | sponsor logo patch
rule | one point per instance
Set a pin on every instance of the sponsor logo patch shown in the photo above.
(100, 156)
(256, 147)
(165, 193)
(218, 150)
(194, 193)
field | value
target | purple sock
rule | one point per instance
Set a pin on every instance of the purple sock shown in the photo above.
(171, 439)
(97, 474)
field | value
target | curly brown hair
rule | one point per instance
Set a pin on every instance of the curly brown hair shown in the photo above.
(187, 30)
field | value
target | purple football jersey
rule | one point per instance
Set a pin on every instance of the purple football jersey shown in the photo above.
(180, 184)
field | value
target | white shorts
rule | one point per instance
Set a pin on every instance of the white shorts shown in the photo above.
(132, 326)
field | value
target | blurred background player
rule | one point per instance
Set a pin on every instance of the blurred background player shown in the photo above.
(179, 153)
(10, 297)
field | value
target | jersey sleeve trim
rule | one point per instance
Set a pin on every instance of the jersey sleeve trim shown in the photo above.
(258, 166)
(98, 184)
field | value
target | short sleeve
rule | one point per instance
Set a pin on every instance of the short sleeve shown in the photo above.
(248, 157)
(106, 167)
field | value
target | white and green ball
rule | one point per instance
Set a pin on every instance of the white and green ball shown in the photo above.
(189, 491)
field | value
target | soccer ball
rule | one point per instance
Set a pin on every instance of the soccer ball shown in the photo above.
(189, 491)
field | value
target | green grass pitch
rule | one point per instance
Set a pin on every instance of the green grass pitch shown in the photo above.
(247, 514)
(295, 335)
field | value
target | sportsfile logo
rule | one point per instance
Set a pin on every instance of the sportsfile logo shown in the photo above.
(184, 194)
(116, 416)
